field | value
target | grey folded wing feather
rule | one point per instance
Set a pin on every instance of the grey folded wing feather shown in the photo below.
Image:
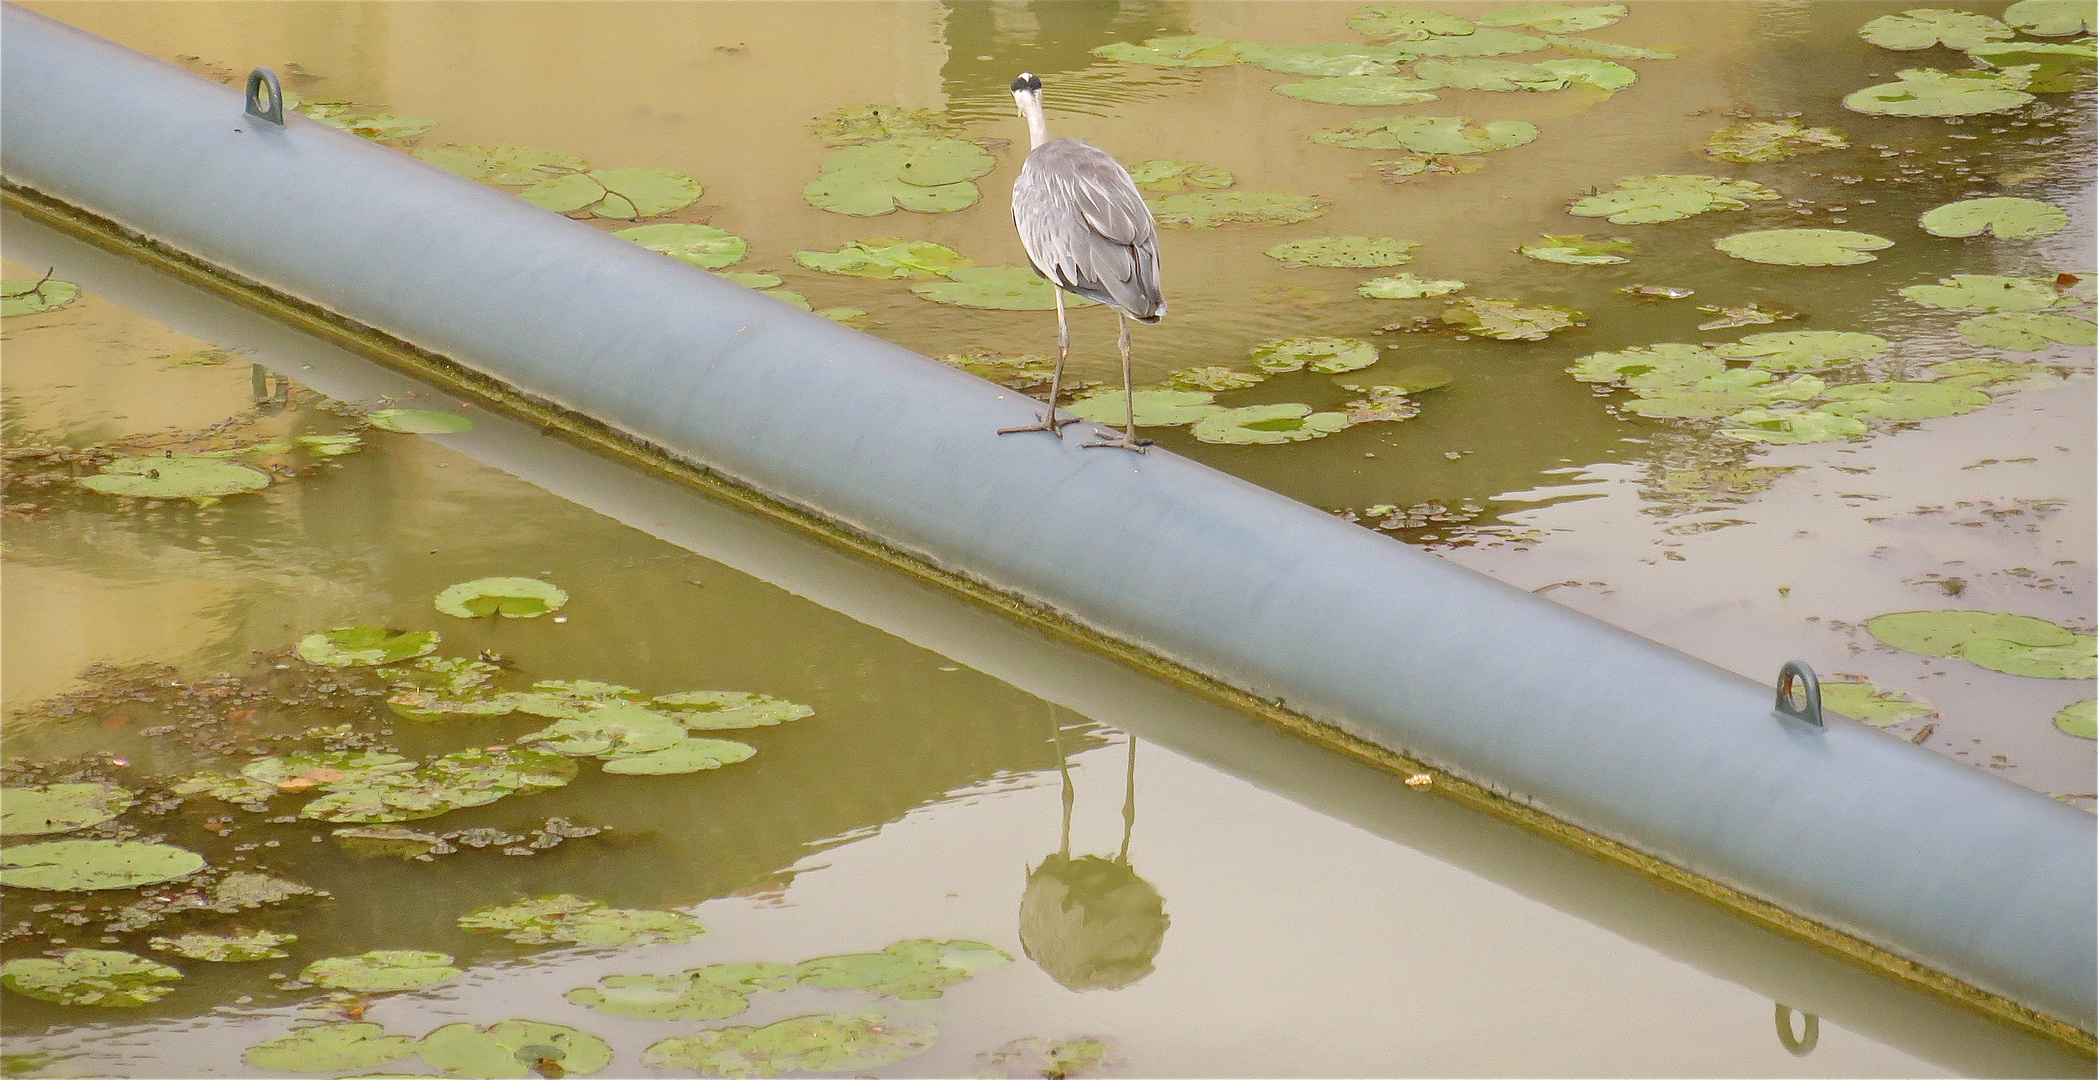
(1086, 227)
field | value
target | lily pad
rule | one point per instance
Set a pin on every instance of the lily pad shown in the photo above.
(1599, 74)
(1556, 18)
(752, 281)
(1771, 140)
(703, 246)
(1982, 371)
(1921, 28)
(614, 729)
(1154, 408)
(26, 297)
(1164, 176)
(1267, 425)
(88, 865)
(511, 166)
(1722, 394)
(2008, 217)
(326, 445)
(1949, 633)
(2052, 18)
(1174, 52)
(1033, 1056)
(1396, 22)
(1407, 287)
(686, 756)
(1930, 92)
(2027, 331)
(1214, 378)
(365, 646)
(2050, 68)
(509, 597)
(999, 288)
(1368, 90)
(828, 1042)
(244, 889)
(103, 977)
(1494, 75)
(854, 125)
(1344, 251)
(623, 194)
(1440, 135)
(514, 1050)
(381, 971)
(235, 948)
(1331, 355)
(886, 258)
(1987, 292)
(1649, 366)
(1324, 60)
(1643, 200)
(1210, 209)
(1607, 49)
(1903, 400)
(420, 421)
(2079, 719)
(1803, 350)
(1481, 42)
(179, 476)
(702, 993)
(364, 122)
(1578, 250)
(459, 779)
(1386, 404)
(57, 808)
(1791, 426)
(727, 710)
(1412, 379)
(911, 970)
(1749, 314)
(330, 1047)
(2076, 660)
(918, 173)
(1510, 320)
(1803, 247)
(572, 920)
(1878, 706)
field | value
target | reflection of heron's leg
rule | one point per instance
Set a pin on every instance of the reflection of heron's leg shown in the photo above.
(1128, 803)
(1127, 440)
(1052, 423)
(1056, 735)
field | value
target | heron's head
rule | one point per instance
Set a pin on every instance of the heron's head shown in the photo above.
(1027, 85)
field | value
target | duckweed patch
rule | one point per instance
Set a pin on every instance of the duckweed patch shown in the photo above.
(573, 920)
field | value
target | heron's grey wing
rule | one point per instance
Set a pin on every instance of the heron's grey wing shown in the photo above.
(1086, 227)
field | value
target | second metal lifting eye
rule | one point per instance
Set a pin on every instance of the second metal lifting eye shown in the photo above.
(1809, 709)
(267, 105)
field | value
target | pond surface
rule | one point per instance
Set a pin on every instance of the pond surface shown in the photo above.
(1273, 911)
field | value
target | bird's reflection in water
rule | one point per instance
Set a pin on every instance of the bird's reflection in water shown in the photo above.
(1090, 921)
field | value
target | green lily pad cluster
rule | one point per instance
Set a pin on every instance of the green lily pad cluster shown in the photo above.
(91, 865)
(855, 125)
(2016, 644)
(57, 808)
(1921, 28)
(1154, 407)
(573, 920)
(704, 246)
(507, 597)
(514, 1049)
(914, 969)
(1344, 251)
(2028, 331)
(886, 258)
(1803, 247)
(1931, 92)
(1207, 210)
(1577, 250)
(2052, 18)
(459, 688)
(1407, 287)
(920, 173)
(911, 970)
(1988, 292)
(1331, 355)
(367, 787)
(1376, 91)
(1753, 140)
(104, 977)
(381, 971)
(330, 1047)
(235, 948)
(1803, 350)
(1268, 425)
(632, 741)
(2007, 217)
(200, 479)
(2048, 67)
(1510, 320)
(1165, 177)
(419, 421)
(701, 993)
(1175, 52)
(1439, 136)
(25, 297)
(1643, 200)
(999, 288)
(1878, 706)
(827, 1042)
(2079, 719)
(365, 646)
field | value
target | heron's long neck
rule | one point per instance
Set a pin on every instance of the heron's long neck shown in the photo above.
(1037, 126)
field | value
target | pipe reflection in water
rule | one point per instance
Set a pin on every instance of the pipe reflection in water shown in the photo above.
(1809, 1032)
(1091, 922)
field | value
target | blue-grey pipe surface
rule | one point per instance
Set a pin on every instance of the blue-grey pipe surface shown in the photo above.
(1932, 860)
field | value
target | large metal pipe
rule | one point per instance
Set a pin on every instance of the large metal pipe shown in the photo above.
(1932, 870)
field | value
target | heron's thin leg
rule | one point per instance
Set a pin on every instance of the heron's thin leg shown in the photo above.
(1052, 423)
(1127, 440)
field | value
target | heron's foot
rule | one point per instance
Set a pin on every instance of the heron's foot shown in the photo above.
(1052, 424)
(1119, 440)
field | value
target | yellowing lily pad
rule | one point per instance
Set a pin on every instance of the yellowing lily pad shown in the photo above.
(179, 476)
(1214, 378)
(509, 597)
(886, 258)
(1398, 22)
(25, 297)
(102, 977)
(1165, 177)
(1921, 28)
(365, 646)
(57, 808)
(1988, 292)
(1174, 52)
(829, 1042)
(1366, 90)
(1435, 135)
(1344, 251)
(1556, 18)
(857, 124)
(1642, 200)
(420, 421)
(2052, 18)
(1803, 247)
(922, 174)
(381, 971)
(623, 194)
(1407, 287)
(1578, 250)
(999, 288)
(330, 1047)
(89, 865)
(2027, 331)
(1207, 210)
(1930, 92)
(1328, 354)
(1268, 425)
(1649, 366)
(703, 246)
(2079, 719)
(235, 948)
(1510, 320)
(2008, 217)
(513, 1050)
(572, 920)
(1791, 426)
(1903, 400)
(1154, 408)
(1324, 60)
(1803, 350)
(1771, 140)
(1878, 706)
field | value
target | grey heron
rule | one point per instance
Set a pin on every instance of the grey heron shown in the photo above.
(1087, 231)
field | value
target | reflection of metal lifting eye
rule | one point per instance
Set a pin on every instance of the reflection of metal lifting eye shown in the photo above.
(1810, 1031)
(1809, 708)
(263, 106)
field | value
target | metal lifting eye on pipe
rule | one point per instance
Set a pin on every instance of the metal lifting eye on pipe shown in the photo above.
(1810, 693)
(1809, 1032)
(270, 108)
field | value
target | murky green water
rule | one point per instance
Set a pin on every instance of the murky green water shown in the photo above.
(1328, 929)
